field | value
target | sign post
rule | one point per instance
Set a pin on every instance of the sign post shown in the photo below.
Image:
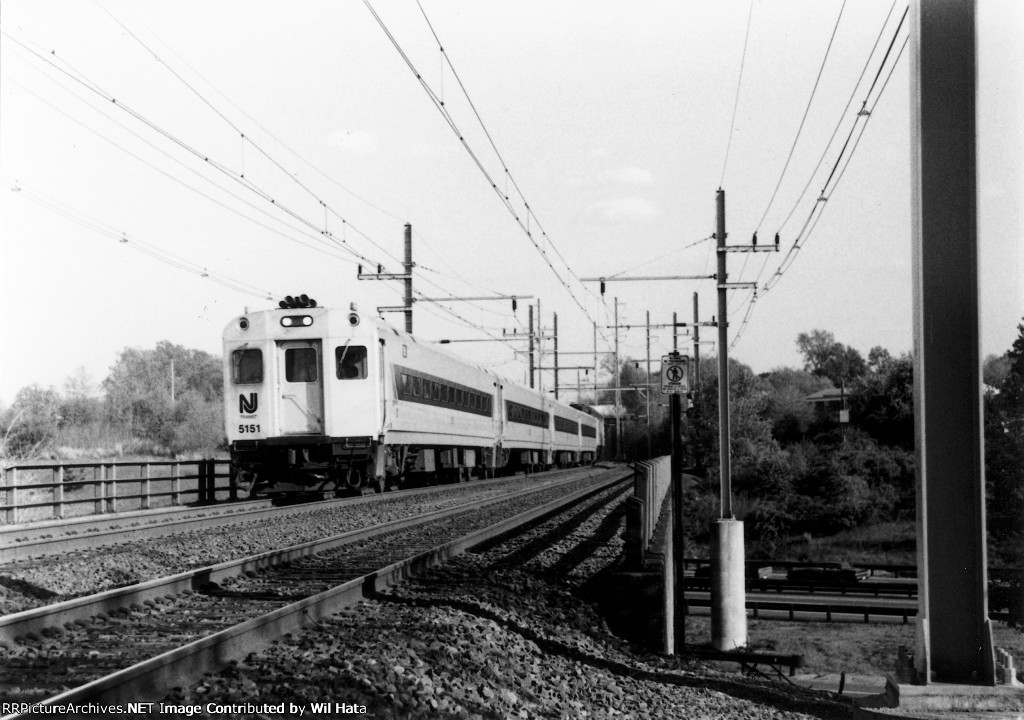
(675, 382)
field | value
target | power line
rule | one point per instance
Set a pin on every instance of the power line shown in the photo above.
(819, 207)
(842, 116)
(176, 261)
(807, 110)
(522, 220)
(736, 102)
(86, 82)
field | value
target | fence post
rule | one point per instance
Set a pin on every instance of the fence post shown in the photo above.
(99, 489)
(204, 481)
(58, 494)
(12, 497)
(146, 486)
(176, 484)
(112, 495)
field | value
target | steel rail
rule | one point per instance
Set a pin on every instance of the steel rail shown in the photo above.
(184, 664)
(37, 539)
(35, 620)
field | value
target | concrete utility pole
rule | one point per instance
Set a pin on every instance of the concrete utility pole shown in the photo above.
(954, 634)
(618, 392)
(408, 278)
(531, 347)
(728, 591)
(648, 380)
(556, 353)
(540, 347)
(728, 567)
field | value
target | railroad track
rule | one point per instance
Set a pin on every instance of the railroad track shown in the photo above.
(38, 539)
(136, 643)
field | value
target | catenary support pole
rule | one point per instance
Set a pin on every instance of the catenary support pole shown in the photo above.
(555, 332)
(532, 364)
(408, 280)
(728, 582)
(954, 634)
(648, 393)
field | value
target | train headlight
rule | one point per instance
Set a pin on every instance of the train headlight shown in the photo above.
(243, 324)
(353, 319)
(296, 321)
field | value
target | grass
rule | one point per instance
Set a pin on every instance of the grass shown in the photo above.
(853, 648)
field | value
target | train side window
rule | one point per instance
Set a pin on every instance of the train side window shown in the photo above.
(350, 362)
(405, 384)
(416, 386)
(300, 365)
(247, 367)
(458, 397)
(437, 392)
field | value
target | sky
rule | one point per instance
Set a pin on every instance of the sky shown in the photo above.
(165, 167)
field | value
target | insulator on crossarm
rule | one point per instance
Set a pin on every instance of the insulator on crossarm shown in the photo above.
(776, 241)
(753, 240)
(602, 287)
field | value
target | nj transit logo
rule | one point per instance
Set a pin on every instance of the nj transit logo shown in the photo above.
(247, 406)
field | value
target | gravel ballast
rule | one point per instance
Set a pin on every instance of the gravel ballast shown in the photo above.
(495, 634)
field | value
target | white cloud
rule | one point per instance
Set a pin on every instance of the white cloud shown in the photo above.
(632, 175)
(625, 208)
(356, 142)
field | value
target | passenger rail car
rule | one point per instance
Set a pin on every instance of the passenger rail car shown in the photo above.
(320, 399)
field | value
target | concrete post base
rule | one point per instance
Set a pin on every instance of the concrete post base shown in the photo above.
(728, 586)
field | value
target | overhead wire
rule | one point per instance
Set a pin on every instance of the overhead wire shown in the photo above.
(523, 221)
(80, 78)
(131, 241)
(807, 110)
(842, 116)
(242, 133)
(325, 250)
(842, 164)
(736, 101)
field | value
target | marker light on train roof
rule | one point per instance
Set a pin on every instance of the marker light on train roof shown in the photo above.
(296, 321)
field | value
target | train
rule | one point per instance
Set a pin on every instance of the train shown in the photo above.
(320, 400)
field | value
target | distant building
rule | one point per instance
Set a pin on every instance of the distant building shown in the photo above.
(829, 404)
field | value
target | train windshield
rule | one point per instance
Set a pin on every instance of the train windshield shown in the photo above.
(300, 365)
(247, 367)
(350, 362)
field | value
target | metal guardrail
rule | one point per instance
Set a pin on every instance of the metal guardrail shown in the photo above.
(39, 492)
(651, 481)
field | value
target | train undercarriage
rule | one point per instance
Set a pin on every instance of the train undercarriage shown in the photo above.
(351, 466)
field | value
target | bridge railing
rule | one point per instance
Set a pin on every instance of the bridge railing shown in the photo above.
(37, 492)
(651, 481)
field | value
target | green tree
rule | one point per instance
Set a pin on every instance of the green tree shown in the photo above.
(883, 401)
(1004, 448)
(80, 405)
(145, 388)
(787, 408)
(824, 356)
(31, 423)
